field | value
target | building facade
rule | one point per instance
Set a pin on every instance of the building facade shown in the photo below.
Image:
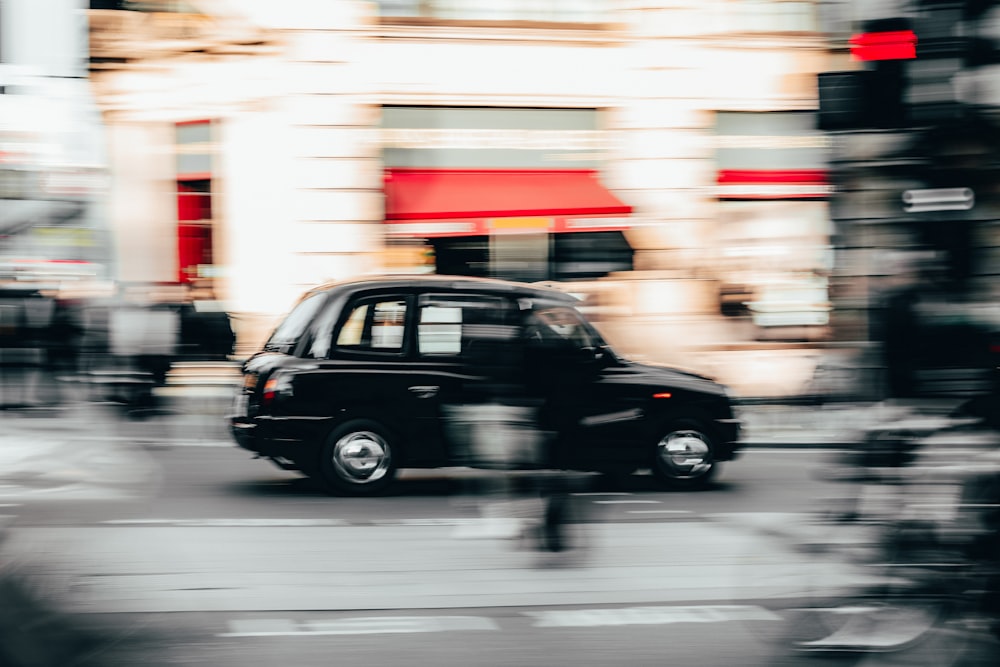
(913, 127)
(262, 148)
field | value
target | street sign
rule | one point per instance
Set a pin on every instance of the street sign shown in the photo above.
(938, 199)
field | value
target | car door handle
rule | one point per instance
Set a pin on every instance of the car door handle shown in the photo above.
(425, 390)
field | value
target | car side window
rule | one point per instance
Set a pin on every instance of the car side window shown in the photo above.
(447, 324)
(377, 325)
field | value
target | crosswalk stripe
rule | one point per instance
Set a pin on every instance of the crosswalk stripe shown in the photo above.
(584, 618)
(365, 625)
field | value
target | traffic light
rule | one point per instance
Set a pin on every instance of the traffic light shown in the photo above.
(873, 97)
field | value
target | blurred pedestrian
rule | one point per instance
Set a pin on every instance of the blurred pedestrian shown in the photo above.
(514, 417)
(496, 418)
(64, 345)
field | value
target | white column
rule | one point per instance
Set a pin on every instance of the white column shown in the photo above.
(143, 202)
(253, 212)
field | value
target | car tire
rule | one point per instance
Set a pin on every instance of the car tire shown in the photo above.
(359, 458)
(683, 455)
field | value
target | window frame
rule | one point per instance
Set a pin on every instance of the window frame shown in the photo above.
(339, 351)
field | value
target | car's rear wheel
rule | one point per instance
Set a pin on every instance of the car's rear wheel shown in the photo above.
(684, 454)
(359, 458)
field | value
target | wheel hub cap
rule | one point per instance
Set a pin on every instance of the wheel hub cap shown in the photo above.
(685, 454)
(361, 457)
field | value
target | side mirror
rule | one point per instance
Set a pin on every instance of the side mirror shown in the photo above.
(592, 355)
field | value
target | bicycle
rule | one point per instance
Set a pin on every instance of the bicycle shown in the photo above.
(899, 570)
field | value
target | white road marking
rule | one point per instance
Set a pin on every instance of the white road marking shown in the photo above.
(228, 522)
(364, 625)
(628, 502)
(660, 512)
(603, 493)
(581, 618)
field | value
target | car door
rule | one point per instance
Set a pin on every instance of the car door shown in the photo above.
(449, 326)
(358, 365)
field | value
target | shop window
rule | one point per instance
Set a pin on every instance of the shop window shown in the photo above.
(587, 255)
(737, 16)
(556, 11)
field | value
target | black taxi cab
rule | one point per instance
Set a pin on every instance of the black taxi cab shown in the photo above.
(355, 384)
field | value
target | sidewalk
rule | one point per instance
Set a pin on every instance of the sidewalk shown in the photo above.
(183, 568)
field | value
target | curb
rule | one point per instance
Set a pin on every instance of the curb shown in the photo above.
(798, 444)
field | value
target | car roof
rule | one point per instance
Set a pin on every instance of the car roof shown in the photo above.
(422, 281)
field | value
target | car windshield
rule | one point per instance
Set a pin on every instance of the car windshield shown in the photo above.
(291, 328)
(563, 326)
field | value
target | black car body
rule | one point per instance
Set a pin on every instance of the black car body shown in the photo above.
(355, 382)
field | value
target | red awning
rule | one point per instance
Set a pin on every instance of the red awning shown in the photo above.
(773, 184)
(453, 202)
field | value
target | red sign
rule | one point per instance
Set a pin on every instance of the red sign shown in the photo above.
(890, 45)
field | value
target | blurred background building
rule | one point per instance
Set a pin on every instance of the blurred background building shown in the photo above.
(662, 157)
(723, 179)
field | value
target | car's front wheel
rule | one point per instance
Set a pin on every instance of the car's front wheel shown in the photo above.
(684, 454)
(359, 459)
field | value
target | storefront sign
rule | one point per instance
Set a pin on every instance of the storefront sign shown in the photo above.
(478, 139)
(938, 199)
(492, 138)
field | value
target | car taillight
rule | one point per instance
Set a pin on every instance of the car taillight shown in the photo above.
(270, 390)
(278, 385)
